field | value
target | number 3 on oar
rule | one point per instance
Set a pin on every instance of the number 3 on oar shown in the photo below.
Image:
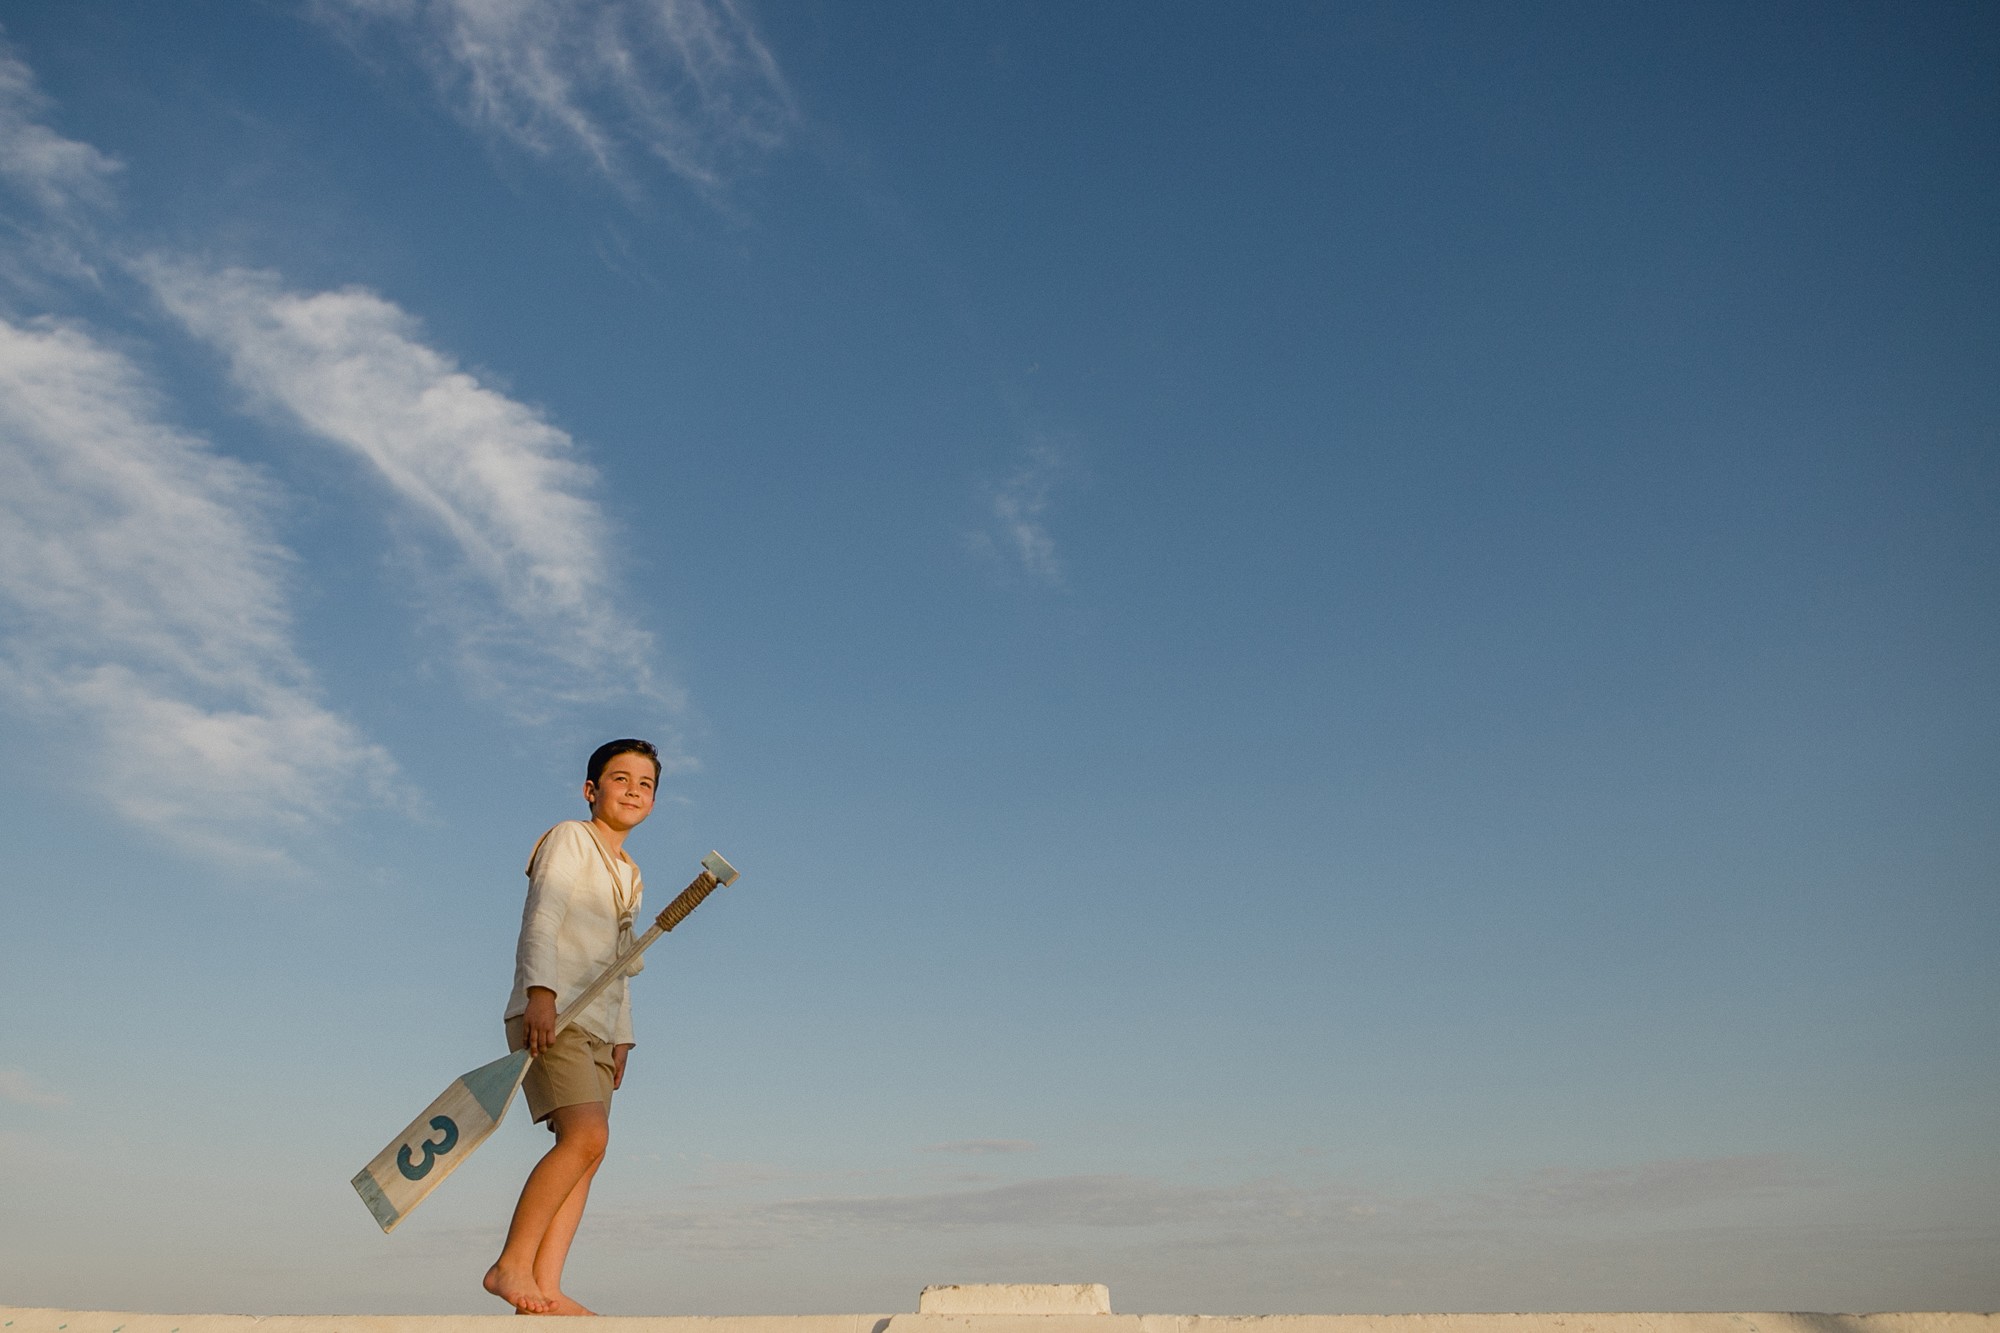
(415, 1163)
(413, 1171)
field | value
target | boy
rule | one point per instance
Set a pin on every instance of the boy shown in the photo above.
(583, 894)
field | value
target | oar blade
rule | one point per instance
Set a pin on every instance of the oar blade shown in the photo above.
(417, 1160)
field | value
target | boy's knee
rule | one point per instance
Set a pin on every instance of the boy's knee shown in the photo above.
(585, 1134)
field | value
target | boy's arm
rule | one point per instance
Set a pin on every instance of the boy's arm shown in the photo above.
(551, 884)
(618, 1054)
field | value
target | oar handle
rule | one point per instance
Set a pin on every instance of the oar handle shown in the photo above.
(677, 912)
(689, 899)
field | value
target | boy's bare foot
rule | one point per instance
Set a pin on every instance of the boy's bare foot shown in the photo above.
(518, 1290)
(568, 1305)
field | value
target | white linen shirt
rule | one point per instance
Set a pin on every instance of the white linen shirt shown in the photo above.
(569, 928)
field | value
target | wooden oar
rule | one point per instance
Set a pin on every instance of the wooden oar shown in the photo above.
(466, 1113)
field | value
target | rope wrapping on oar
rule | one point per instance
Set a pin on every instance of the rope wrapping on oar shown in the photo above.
(691, 896)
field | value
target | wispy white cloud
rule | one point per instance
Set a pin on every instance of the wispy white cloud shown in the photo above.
(142, 591)
(529, 593)
(146, 607)
(55, 172)
(982, 1147)
(24, 1089)
(1017, 533)
(686, 82)
(56, 183)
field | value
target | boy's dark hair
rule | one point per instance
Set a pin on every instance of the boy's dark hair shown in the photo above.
(610, 750)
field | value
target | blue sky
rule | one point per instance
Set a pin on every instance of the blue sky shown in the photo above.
(1349, 650)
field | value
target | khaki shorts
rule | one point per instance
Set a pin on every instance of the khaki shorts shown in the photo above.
(578, 1068)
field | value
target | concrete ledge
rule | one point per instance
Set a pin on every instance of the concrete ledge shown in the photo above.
(1016, 1298)
(33, 1320)
(25, 1319)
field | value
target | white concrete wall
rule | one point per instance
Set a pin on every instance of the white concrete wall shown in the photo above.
(1016, 1298)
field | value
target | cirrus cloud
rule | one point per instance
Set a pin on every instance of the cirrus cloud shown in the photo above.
(688, 83)
(60, 180)
(147, 607)
(1017, 533)
(57, 173)
(525, 592)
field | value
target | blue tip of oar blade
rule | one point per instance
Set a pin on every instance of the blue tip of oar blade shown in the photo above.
(492, 1086)
(386, 1213)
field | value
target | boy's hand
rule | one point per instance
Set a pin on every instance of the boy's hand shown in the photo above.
(618, 1054)
(538, 1021)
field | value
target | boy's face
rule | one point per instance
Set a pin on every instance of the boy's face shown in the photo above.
(623, 794)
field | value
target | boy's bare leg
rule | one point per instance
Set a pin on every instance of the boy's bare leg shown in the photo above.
(581, 1134)
(549, 1259)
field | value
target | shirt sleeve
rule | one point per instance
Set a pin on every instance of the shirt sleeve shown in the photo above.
(553, 880)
